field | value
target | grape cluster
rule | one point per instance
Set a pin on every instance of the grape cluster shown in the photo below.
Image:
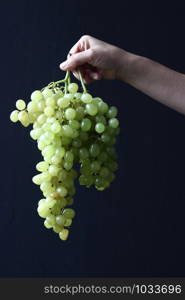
(76, 135)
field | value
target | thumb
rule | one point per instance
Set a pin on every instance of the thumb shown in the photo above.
(76, 60)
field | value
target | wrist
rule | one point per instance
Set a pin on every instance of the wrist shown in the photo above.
(127, 61)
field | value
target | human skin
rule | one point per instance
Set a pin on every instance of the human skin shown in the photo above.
(99, 60)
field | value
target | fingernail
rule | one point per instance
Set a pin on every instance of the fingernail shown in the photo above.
(95, 76)
(63, 65)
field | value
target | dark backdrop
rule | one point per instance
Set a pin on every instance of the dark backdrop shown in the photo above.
(137, 227)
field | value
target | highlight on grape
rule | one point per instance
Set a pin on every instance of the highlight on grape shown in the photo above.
(76, 134)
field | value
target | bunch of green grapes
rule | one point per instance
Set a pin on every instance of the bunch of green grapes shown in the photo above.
(76, 135)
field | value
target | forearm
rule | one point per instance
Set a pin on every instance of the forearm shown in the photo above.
(155, 80)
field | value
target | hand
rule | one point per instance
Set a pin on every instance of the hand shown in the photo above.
(94, 58)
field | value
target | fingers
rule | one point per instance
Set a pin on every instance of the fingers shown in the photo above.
(76, 48)
(94, 75)
(82, 44)
(85, 75)
(88, 76)
(76, 60)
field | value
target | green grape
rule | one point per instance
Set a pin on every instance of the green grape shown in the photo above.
(84, 153)
(86, 98)
(70, 114)
(47, 93)
(40, 106)
(57, 228)
(101, 119)
(69, 156)
(46, 187)
(63, 202)
(64, 234)
(60, 152)
(68, 165)
(41, 119)
(14, 116)
(82, 179)
(105, 138)
(99, 127)
(36, 96)
(60, 220)
(91, 109)
(95, 166)
(49, 202)
(66, 140)
(68, 131)
(114, 123)
(47, 225)
(96, 100)
(53, 170)
(80, 112)
(89, 180)
(64, 101)
(94, 150)
(77, 143)
(102, 107)
(55, 127)
(74, 124)
(45, 176)
(104, 172)
(73, 88)
(112, 112)
(48, 150)
(51, 220)
(46, 126)
(57, 141)
(20, 104)
(85, 170)
(75, 153)
(50, 101)
(43, 211)
(74, 131)
(31, 107)
(85, 124)
(56, 159)
(37, 179)
(68, 222)
(23, 116)
(51, 120)
(41, 145)
(42, 166)
(48, 136)
(42, 201)
(49, 111)
(59, 94)
(68, 213)
(77, 96)
(100, 182)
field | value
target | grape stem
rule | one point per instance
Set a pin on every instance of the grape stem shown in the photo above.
(54, 84)
(82, 82)
(66, 81)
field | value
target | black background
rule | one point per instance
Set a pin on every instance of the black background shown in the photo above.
(137, 227)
